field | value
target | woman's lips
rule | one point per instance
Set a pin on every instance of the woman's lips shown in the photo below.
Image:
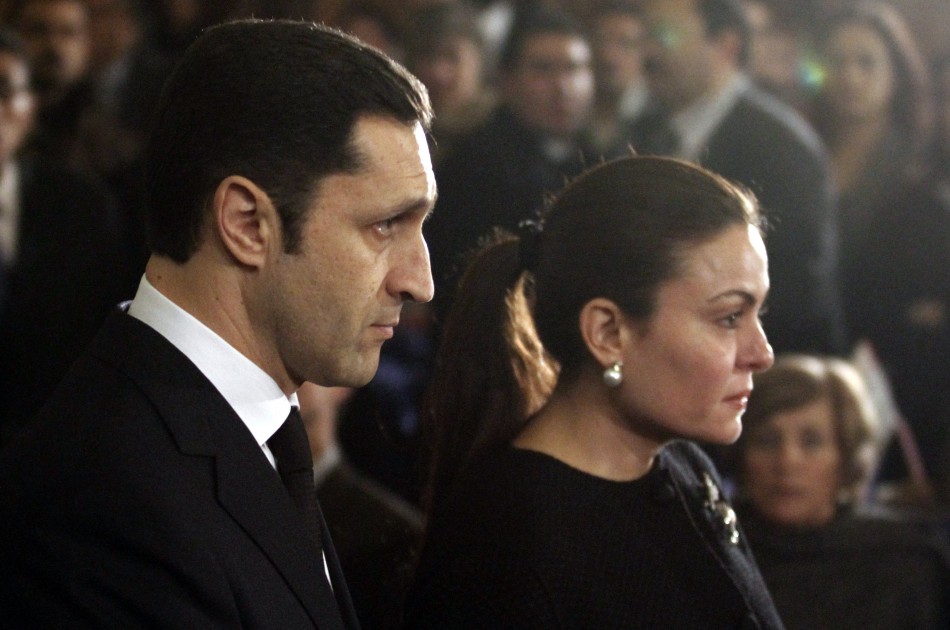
(739, 400)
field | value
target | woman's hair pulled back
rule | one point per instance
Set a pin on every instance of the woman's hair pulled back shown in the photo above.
(618, 232)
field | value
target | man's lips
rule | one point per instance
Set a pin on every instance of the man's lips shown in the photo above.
(386, 328)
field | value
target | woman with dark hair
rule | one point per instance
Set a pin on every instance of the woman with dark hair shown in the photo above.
(805, 461)
(874, 112)
(575, 361)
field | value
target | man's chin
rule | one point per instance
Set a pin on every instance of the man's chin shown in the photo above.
(360, 375)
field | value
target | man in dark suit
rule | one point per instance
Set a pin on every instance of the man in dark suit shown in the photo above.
(710, 113)
(288, 179)
(500, 173)
(56, 33)
(60, 263)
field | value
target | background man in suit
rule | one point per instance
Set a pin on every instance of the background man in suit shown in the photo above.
(56, 33)
(499, 174)
(60, 264)
(285, 222)
(710, 113)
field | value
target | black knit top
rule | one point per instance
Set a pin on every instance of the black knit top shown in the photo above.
(526, 541)
(859, 572)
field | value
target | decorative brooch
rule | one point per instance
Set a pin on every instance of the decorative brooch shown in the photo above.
(721, 511)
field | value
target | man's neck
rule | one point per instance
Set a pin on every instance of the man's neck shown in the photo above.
(718, 81)
(215, 299)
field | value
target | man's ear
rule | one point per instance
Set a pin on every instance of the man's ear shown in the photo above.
(602, 327)
(245, 220)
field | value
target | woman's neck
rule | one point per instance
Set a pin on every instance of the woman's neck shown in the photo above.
(852, 147)
(582, 428)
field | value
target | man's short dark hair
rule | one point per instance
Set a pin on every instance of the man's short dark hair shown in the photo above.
(272, 101)
(727, 15)
(532, 22)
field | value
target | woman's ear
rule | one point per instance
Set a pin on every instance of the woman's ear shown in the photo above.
(245, 220)
(603, 329)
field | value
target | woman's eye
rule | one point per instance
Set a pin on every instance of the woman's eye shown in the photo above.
(732, 320)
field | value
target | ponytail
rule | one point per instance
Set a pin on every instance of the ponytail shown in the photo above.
(491, 372)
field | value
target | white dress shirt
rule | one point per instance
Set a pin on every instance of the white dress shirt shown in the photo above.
(254, 396)
(695, 123)
(9, 212)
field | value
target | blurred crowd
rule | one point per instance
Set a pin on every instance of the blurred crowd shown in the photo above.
(835, 114)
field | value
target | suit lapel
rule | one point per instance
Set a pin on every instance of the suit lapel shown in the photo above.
(249, 489)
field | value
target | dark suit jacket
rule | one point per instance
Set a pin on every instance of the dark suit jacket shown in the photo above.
(767, 147)
(140, 499)
(68, 275)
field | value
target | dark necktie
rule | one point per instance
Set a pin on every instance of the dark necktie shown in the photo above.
(291, 449)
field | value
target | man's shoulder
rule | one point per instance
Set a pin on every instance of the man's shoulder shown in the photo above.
(127, 385)
(764, 144)
(126, 345)
(759, 114)
(499, 137)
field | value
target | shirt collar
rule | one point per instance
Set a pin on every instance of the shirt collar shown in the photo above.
(251, 392)
(696, 122)
(9, 211)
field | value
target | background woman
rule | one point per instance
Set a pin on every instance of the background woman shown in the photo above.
(904, 298)
(874, 112)
(805, 461)
(578, 507)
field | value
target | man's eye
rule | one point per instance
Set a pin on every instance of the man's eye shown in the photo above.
(385, 227)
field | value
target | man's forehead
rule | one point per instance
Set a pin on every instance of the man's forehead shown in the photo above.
(372, 133)
(385, 147)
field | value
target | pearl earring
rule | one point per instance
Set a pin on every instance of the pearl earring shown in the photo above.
(613, 375)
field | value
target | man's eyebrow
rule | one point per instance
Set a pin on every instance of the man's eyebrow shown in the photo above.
(416, 204)
(746, 296)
